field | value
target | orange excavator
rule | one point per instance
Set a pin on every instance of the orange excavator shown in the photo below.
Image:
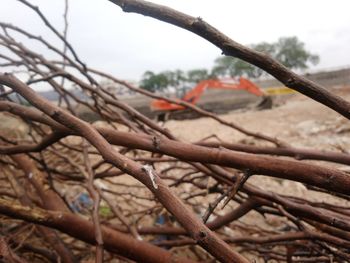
(195, 94)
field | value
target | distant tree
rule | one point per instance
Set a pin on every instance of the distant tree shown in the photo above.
(292, 53)
(177, 79)
(288, 50)
(180, 82)
(154, 82)
(231, 67)
(197, 75)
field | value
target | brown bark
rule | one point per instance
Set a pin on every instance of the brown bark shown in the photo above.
(198, 231)
(84, 230)
(231, 48)
(203, 174)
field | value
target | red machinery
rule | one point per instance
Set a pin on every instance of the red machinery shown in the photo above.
(194, 95)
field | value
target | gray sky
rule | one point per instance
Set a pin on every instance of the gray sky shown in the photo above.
(129, 44)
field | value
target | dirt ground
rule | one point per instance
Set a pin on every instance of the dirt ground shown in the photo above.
(295, 120)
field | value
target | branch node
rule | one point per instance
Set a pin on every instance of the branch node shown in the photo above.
(148, 169)
(291, 82)
(156, 142)
(55, 114)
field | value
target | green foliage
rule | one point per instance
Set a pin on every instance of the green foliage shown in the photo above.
(154, 82)
(288, 50)
(177, 79)
(105, 211)
(196, 75)
(292, 53)
(231, 67)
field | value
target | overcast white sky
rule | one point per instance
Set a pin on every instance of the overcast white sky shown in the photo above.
(129, 44)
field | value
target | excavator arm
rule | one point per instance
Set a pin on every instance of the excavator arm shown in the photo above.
(194, 95)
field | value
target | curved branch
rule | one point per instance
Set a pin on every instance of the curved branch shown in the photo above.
(198, 231)
(297, 153)
(79, 228)
(232, 48)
